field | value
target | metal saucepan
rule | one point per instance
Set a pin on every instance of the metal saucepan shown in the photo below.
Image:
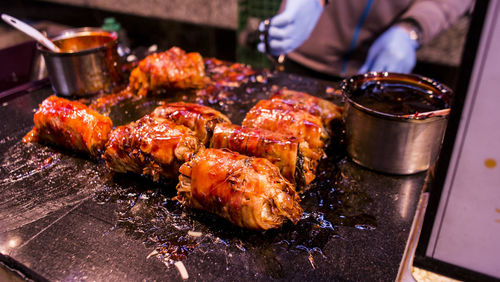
(394, 143)
(88, 64)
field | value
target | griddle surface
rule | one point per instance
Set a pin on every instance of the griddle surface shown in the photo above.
(67, 218)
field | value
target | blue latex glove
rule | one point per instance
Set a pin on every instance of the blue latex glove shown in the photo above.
(393, 51)
(292, 27)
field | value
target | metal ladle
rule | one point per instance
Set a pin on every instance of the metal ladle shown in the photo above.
(32, 32)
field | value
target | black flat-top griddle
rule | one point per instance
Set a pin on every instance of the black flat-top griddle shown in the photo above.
(65, 217)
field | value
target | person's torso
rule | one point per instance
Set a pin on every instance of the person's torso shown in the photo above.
(344, 32)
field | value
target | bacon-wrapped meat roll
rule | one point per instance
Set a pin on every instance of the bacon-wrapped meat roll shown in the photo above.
(280, 117)
(150, 146)
(71, 125)
(284, 151)
(200, 119)
(327, 110)
(170, 69)
(249, 192)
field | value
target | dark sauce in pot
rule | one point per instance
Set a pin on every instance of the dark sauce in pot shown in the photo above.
(396, 98)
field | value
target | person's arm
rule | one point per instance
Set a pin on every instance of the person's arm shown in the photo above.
(434, 16)
(395, 49)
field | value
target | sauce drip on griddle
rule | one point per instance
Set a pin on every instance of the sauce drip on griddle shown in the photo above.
(334, 200)
(396, 98)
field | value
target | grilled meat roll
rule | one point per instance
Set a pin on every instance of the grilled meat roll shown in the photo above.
(71, 125)
(170, 69)
(150, 146)
(249, 192)
(327, 110)
(280, 117)
(200, 119)
(287, 152)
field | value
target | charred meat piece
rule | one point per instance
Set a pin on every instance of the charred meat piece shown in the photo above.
(200, 119)
(106, 101)
(327, 110)
(228, 74)
(280, 117)
(288, 153)
(249, 192)
(71, 125)
(150, 146)
(170, 69)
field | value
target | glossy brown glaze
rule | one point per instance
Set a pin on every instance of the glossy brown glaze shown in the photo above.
(327, 110)
(70, 124)
(249, 192)
(280, 149)
(280, 117)
(170, 69)
(105, 102)
(201, 119)
(150, 146)
(228, 74)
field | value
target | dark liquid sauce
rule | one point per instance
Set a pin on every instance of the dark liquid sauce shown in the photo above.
(396, 98)
(84, 42)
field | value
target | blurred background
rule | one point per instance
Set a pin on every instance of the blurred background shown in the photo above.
(224, 29)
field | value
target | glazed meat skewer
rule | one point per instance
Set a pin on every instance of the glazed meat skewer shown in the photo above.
(151, 146)
(71, 125)
(284, 151)
(326, 110)
(280, 117)
(249, 192)
(173, 68)
(200, 119)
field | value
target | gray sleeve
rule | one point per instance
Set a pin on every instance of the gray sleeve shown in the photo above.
(434, 16)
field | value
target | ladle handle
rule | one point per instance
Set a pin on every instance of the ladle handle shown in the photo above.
(31, 32)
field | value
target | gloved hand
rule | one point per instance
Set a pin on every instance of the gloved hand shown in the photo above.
(292, 27)
(393, 51)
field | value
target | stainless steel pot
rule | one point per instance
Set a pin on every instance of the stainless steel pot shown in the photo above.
(396, 144)
(89, 63)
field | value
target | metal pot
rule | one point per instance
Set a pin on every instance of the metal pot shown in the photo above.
(89, 63)
(394, 143)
